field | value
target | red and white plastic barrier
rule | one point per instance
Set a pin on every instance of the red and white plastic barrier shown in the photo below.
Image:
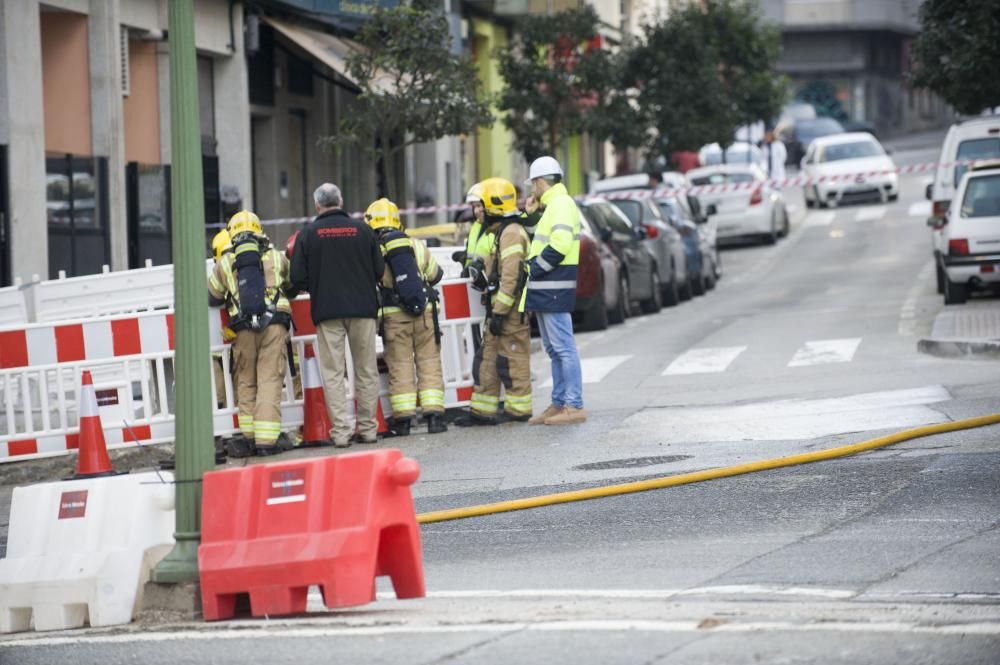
(131, 357)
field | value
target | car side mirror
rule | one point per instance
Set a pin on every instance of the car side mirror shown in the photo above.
(711, 210)
(929, 192)
(605, 234)
(642, 233)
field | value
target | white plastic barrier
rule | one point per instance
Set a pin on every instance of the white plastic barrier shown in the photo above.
(131, 358)
(80, 551)
(13, 306)
(442, 255)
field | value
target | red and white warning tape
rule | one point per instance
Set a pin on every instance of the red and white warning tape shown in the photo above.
(797, 181)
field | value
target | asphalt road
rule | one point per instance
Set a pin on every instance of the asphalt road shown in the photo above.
(887, 557)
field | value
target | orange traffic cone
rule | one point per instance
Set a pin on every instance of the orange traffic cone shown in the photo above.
(383, 426)
(93, 458)
(316, 426)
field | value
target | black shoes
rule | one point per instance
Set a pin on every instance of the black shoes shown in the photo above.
(399, 427)
(472, 420)
(267, 451)
(435, 423)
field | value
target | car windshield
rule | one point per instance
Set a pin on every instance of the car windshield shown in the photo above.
(975, 149)
(982, 197)
(632, 210)
(810, 129)
(856, 150)
(722, 179)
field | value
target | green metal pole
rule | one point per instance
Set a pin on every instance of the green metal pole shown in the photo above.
(195, 452)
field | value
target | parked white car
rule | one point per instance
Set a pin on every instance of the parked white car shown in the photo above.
(741, 202)
(830, 158)
(740, 152)
(978, 138)
(971, 235)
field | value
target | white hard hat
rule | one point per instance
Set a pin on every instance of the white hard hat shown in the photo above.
(475, 194)
(544, 166)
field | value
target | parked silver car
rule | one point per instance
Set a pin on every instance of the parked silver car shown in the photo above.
(664, 242)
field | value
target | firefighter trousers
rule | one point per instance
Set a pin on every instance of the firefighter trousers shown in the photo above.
(503, 361)
(260, 358)
(410, 344)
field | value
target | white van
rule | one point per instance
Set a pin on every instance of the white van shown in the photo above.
(971, 236)
(974, 139)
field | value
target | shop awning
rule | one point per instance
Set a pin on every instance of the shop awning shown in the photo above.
(329, 50)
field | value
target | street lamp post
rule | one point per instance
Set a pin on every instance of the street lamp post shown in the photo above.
(195, 453)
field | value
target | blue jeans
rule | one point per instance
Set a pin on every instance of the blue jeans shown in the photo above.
(556, 329)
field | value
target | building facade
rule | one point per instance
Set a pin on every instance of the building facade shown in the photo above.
(85, 130)
(857, 53)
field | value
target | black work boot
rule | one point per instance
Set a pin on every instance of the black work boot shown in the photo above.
(472, 420)
(435, 423)
(400, 427)
(239, 446)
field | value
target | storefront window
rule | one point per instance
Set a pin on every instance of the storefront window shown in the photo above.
(148, 214)
(76, 198)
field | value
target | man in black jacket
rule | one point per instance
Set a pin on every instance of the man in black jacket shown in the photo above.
(338, 261)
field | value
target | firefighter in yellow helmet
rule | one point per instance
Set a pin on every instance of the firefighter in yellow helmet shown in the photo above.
(408, 312)
(252, 281)
(504, 357)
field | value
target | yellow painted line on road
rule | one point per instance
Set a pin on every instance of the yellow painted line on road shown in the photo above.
(700, 476)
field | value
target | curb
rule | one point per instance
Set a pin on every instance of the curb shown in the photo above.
(968, 349)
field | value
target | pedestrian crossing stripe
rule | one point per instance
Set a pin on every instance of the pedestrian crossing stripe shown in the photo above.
(595, 369)
(704, 361)
(870, 214)
(825, 352)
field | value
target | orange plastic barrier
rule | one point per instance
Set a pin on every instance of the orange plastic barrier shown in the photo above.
(274, 530)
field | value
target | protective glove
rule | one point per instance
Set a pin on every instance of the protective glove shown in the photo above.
(460, 256)
(496, 325)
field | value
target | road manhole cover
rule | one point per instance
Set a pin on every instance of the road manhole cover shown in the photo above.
(631, 462)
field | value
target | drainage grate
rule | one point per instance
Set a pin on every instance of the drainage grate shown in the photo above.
(631, 462)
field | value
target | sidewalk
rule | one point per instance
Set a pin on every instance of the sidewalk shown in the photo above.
(970, 331)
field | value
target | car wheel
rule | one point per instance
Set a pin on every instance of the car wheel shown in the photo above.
(698, 285)
(596, 316)
(684, 291)
(819, 202)
(710, 280)
(654, 303)
(620, 311)
(893, 198)
(809, 202)
(771, 237)
(788, 225)
(670, 296)
(955, 293)
(941, 277)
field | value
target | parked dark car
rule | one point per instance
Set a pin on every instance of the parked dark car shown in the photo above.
(798, 134)
(639, 279)
(664, 242)
(597, 293)
(701, 271)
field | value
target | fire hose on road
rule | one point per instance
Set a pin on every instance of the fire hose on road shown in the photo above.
(700, 476)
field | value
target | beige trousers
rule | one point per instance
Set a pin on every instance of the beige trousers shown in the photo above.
(333, 337)
(260, 359)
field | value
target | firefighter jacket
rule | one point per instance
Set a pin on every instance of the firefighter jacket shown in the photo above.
(223, 285)
(505, 261)
(430, 272)
(554, 255)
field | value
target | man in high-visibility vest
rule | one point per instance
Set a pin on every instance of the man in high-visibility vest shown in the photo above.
(252, 280)
(504, 359)
(411, 332)
(551, 290)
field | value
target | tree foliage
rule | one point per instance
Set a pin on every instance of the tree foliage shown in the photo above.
(413, 88)
(705, 71)
(956, 53)
(561, 82)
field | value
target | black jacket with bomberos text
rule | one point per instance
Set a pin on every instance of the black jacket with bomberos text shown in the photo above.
(338, 261)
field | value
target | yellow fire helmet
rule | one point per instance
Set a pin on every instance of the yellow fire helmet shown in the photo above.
(244, 222)
(383, 214)
(499, 197)
(220, 243)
